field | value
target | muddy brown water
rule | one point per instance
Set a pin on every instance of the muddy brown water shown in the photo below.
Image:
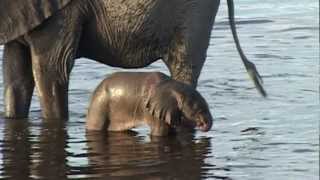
(252, 137)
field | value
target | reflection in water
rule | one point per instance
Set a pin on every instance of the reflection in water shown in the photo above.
(16, 149)
(26, 155)
(49, 154)
(39, 150)
(127, 155)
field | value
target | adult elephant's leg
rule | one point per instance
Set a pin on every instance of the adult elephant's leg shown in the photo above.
(18, 80)
(187, 52)
(51, 72)
(177, 61)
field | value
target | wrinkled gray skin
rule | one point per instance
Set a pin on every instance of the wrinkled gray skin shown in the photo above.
(125, 100)
(43, 38)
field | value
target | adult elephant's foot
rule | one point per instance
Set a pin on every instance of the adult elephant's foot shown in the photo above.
(18, 80)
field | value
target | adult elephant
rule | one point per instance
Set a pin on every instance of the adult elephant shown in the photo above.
(42, 38)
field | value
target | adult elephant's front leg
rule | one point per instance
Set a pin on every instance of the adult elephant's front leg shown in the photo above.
(53, 47)
(52, 62)
(52, 79)
(18, 80)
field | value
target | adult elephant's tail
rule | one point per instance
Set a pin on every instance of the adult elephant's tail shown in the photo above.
(251, 68)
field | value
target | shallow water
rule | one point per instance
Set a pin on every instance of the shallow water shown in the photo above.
(252, 137)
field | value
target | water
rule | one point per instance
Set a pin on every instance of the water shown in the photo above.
(252, 137)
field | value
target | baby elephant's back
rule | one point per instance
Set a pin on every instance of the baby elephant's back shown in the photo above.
(130, 87)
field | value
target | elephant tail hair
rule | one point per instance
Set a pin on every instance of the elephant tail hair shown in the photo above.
(250, 67)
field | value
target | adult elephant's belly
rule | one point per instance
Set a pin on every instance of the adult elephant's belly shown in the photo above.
(133, 53)
(129, 35)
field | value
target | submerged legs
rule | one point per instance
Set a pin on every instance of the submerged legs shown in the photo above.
(18, 80)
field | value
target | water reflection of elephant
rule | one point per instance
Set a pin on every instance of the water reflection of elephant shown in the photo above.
(33, 151)
(126, 155)
(15, 149)
(38, 150)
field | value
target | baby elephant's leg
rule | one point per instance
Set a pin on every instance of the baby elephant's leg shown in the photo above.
(97, 117)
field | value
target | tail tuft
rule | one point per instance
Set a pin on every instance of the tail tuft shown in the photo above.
(251, 68)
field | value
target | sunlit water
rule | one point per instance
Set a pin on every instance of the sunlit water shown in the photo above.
(252, 137)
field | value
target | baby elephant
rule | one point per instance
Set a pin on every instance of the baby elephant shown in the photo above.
(128, 99)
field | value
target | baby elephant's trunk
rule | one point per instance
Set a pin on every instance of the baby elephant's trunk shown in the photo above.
(205, 122)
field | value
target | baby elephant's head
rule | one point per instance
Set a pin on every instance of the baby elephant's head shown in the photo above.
(194, 110)
(180, 104)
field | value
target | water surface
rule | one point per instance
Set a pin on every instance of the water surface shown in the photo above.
(252, 137)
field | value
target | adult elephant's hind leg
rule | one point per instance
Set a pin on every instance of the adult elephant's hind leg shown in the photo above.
(18, 80)
(187, 52)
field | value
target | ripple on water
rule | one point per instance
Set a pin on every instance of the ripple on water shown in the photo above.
(305, 28)
(303, 150)
(244, 22)
(302, 37)
(272, 56)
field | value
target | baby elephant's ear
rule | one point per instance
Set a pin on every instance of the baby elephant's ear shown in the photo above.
(164, 107)
(173, 116)
(179, 97)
